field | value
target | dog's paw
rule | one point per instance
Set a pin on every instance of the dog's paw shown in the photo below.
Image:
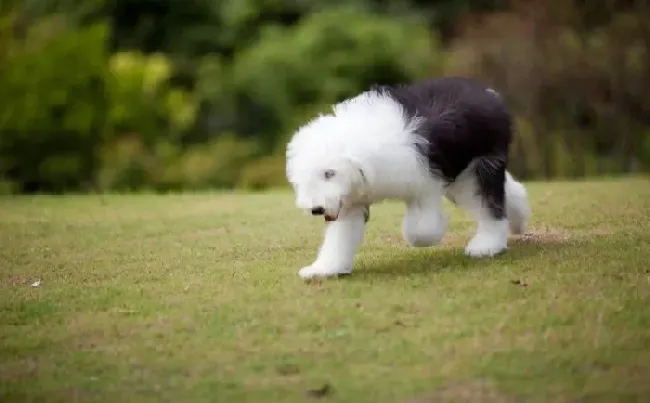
(485, 246)
(423, 228)
(316, 271)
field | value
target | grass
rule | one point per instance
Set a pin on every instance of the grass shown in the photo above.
(195, 298)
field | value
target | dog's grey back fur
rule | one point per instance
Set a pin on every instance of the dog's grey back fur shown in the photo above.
(464, 124)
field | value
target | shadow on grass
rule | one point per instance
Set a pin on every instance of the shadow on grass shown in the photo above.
(429, 261)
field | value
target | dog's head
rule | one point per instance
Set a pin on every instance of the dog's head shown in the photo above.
(325, 187)
(325, 178)
(331, 160)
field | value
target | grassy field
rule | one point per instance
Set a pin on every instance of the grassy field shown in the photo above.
(195, 298)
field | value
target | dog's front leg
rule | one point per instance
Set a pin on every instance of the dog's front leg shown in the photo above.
(343, 238)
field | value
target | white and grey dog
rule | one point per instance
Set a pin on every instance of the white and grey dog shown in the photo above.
(443, 137)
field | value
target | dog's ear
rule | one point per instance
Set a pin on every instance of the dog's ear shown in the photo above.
(358, 168)
(362, 174)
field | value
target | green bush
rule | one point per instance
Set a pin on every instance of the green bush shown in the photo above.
(577, 80)
(52, 104)
(141, 100)
(128, 164)
(209, 96)
(125, 164)
(324, 58)
(217, 164)
(264, 173)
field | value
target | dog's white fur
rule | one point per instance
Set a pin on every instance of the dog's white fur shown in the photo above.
(364, 153)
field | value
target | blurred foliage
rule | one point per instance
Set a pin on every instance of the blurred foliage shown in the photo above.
(139, 97)
(576, 75)
(290, 70)
(52, 102)
(125, 95)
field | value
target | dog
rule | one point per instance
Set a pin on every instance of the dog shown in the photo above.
(418, 143)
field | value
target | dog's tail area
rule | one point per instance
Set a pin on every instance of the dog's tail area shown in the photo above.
(517, 206)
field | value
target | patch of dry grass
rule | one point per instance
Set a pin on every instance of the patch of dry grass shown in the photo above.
(195, 298)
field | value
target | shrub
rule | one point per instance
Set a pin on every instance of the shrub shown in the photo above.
(325, 57)
(264, 173)
(579, 83)
(128, 164)
(141, 99)
(52, 104)
(217, 164)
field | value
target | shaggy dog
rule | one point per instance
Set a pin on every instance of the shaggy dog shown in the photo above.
(443, 137)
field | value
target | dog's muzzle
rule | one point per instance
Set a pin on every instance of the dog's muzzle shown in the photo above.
(321, 211)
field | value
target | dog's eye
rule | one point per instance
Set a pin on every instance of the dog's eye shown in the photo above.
(329, 173)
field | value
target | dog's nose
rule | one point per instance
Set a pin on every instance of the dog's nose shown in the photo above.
(317, 211)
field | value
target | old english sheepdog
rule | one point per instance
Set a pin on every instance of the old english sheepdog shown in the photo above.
(442, 137)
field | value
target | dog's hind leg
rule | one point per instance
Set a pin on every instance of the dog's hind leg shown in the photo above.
(480, 190)
(343, 238)
(517, 205)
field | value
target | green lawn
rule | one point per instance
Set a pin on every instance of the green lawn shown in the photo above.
(195, 298)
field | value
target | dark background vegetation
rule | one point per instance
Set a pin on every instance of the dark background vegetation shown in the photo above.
(101, 95)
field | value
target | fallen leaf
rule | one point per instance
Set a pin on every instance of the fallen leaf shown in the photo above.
(288, 369)
(321, 392)
(127, 311)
